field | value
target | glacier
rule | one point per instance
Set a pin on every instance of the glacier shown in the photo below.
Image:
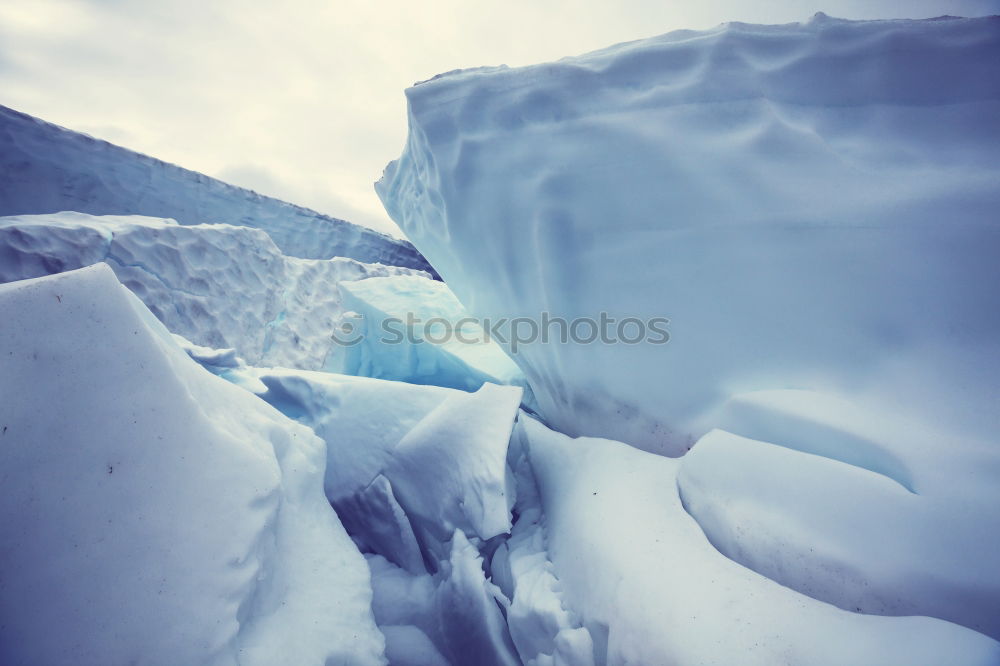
(425, 491)
(50, 169)
(211, 455)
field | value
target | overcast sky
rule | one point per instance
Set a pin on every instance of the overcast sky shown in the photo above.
(303, 99)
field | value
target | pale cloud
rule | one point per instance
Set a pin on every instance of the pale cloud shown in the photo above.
(303, 99)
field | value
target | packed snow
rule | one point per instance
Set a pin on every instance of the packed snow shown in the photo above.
(49, 169)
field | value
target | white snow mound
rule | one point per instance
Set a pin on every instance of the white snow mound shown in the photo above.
(860, 508)
(152, 512)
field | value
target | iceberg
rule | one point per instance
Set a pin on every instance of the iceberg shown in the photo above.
(812, 206)
(157, 513)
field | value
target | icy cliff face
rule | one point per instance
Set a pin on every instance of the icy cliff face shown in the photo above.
(813, 206)
(48, 169)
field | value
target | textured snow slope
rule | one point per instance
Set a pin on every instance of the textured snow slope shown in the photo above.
(650, 589)
(218, 285)
(153, 513)
(812, 205)
(46, 169)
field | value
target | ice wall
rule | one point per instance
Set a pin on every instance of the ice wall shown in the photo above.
(813, 206)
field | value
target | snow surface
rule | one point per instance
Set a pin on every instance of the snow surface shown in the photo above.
(218, 285)
(48, 169)
(813, 206)
(452, 351)
(157, 514)
(864, 509)
(641, 577)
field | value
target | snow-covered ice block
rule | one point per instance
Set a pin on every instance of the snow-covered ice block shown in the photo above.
(411, 328)
(361, 419)
(403, 456)
(811, 205)
(648, 586)
(450, 471)
(152, 512)
(401, 598)
(852, 505)
(218, 285)
(47, 169)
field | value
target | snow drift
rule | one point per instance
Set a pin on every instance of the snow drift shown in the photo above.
(638, 574)
(48, 169)
(813, 206)
(870, 511)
